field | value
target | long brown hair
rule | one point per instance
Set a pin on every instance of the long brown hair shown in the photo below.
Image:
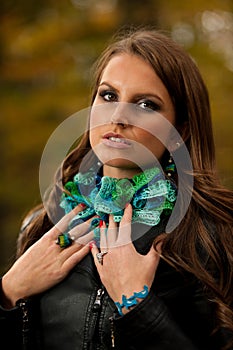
(202, 244)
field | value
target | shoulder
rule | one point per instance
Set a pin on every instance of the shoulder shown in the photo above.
(30, 217)
(25, 237)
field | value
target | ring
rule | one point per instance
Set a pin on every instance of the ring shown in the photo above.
(100, 255)
(64, 240)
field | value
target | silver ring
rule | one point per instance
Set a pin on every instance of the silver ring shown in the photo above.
(100, 255)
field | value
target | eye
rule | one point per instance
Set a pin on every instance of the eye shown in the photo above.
(148, 105)
(108, 96)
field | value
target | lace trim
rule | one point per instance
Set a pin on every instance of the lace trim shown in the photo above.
(149, 193)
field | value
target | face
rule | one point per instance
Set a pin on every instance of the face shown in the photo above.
(128, 115)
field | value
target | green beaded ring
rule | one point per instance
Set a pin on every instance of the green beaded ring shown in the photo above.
(64, 240)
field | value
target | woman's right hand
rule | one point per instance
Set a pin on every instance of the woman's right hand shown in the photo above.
(45, 264)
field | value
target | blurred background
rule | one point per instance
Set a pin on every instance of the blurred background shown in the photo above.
(47, 48)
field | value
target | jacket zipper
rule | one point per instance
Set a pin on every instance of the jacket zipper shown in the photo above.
(96, 307)
(98, 299)
(23, 305)
(112, 331)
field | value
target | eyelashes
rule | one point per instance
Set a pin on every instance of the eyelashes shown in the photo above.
(108, 96)
(143, 104)
(149, 105)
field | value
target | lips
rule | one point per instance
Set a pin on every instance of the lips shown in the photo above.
(116, 140)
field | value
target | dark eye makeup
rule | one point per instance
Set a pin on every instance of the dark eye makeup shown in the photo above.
(143, 104)
(148, 105)
(108, 95)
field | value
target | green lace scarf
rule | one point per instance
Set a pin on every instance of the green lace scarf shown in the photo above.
(149, 193)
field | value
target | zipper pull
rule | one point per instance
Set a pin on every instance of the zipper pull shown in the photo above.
(98, 299)
(112, 331)
(23, 305)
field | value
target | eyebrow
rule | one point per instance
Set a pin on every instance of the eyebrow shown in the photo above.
(109, 85)
(139, 95)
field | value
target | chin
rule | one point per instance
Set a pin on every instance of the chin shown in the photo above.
(129, 159)
(121, 163)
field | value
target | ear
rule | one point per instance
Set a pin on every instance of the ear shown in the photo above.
(180, 136)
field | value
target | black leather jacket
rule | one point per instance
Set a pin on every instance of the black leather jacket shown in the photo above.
(78, 314)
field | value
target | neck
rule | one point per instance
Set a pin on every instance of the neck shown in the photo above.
(120, 173)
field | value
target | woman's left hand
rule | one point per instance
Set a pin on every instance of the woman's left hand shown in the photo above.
(123, 270)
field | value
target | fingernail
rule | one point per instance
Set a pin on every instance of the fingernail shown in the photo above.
(91, 244)
(127, 204)
(82, 205)
(101, 223)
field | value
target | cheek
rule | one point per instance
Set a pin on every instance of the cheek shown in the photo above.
(157, 132)
(95, 126)
(152, 143)
(93, 119)
(93, 134)
(101, 114)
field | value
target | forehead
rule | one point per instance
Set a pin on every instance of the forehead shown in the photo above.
(133, 72)
(128, 64)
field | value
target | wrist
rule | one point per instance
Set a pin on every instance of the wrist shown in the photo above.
(132, 301)
(8, 297)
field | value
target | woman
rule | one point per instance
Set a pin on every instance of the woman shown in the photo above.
(116, 277)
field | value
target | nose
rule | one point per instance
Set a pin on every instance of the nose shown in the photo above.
(119, 115)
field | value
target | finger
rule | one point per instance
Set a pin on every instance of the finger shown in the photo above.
(124, 235)
(67, 252)
(76, 257)
(77, 245)
(81, 229)
(153, 257)
(158, 247)
(64, 222)
(94, 252)
(62, 225)
(153, 252)
(127, 217)
(112, 232)
(88, 237)
(103, 235)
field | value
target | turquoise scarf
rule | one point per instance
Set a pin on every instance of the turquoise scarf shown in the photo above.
(149, 193)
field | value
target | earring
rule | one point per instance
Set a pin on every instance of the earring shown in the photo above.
(170, 168)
